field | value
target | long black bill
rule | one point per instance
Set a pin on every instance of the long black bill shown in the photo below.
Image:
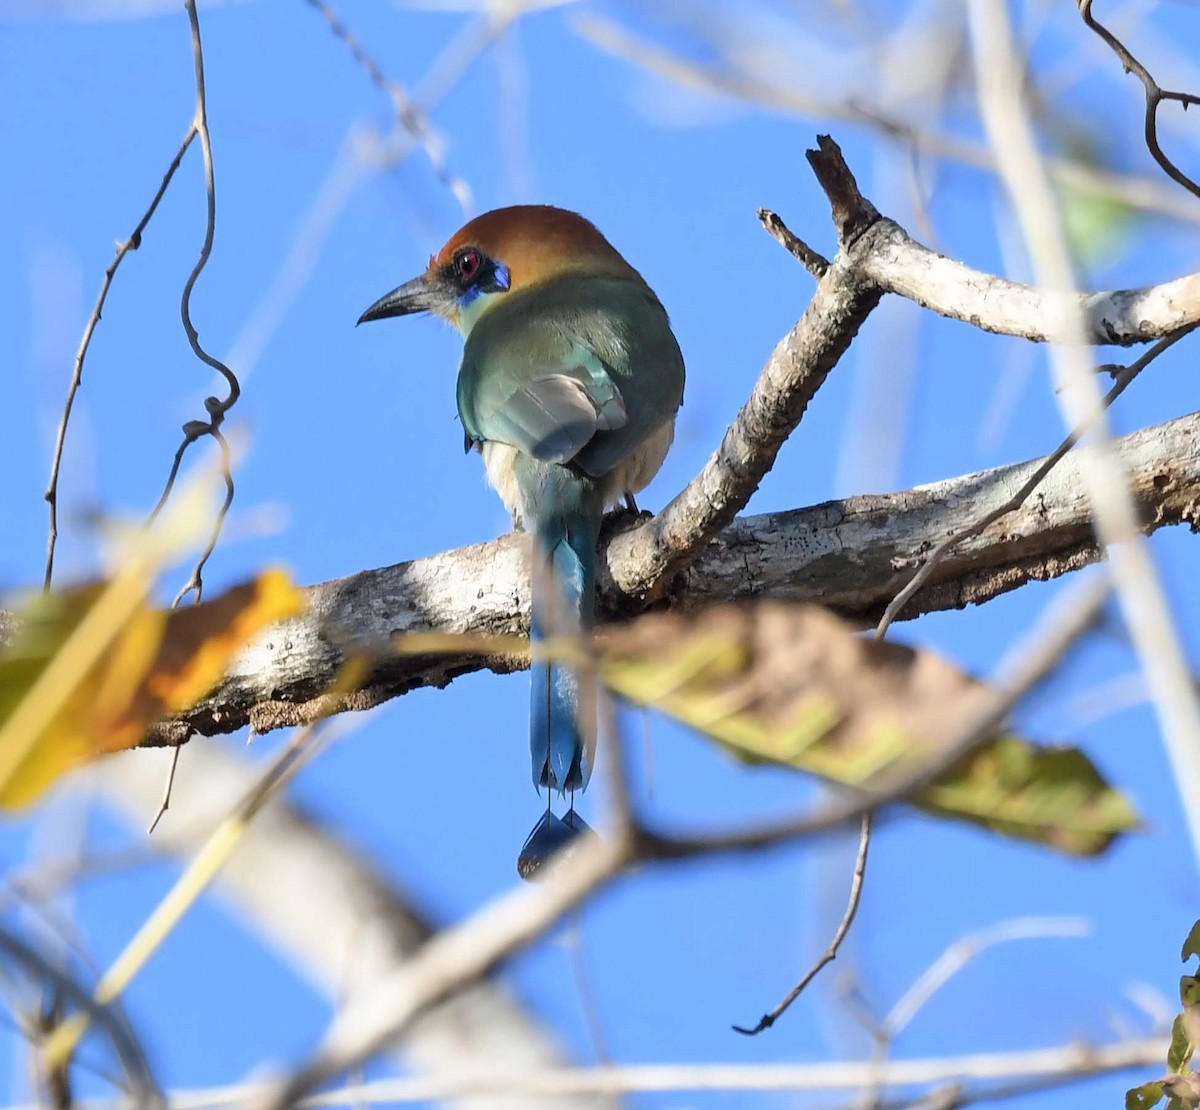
(413, 296)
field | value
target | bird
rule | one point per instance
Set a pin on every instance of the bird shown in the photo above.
(569, 385)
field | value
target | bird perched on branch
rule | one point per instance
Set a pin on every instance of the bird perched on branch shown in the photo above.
(569, 385)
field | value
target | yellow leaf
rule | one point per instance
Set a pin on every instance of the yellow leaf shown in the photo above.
(92, 669)
(795, 685)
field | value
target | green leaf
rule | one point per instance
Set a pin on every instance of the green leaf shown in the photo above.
(1182, 1047)
(1191, 946)
(1143, 1097)
(1189, 991)
(795, 685)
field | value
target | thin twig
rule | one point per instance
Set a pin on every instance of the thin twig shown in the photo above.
(195, 584)
(216, 408)
(410, 117)
(856, 886)
(1123, 377)
(165, 804)
(815, 263)
(1154, 97)
(131, 244)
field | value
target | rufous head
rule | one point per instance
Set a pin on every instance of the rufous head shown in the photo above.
(499, 252)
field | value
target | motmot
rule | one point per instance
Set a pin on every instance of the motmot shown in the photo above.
(569, 385)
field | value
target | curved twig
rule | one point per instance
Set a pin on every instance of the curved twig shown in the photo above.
(131, 244)
(830, 954)
(1155, 95)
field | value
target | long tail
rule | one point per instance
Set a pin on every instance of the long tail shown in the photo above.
(562, 711)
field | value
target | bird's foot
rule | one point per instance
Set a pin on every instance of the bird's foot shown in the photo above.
(622, 520)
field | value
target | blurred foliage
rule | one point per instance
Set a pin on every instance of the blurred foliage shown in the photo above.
(91, 669)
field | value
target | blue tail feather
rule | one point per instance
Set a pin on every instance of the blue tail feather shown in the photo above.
(562, 723)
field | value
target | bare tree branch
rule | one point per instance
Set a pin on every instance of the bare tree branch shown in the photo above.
(795, 371)
(851, 555)
(1123, 317)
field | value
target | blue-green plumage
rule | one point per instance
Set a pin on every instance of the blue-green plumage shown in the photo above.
(575, 373)
(565, 511)
(569, 384)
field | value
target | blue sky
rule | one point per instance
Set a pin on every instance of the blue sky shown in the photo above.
(353, 440)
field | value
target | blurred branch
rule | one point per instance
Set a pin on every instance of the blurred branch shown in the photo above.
(968, 948)
(145, 1093)
(1105, 475)
(1125, 189)
(1056, 1066)
(953, 960)
(289, 862)
(410, 118)
(201, 870)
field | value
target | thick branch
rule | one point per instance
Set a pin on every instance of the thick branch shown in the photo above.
(850, 555)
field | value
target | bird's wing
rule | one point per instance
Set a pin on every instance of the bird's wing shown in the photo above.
(548, 403)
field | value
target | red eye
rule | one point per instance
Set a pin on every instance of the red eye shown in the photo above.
(468, 264)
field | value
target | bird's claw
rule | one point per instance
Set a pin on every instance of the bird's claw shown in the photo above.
(622, 520)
